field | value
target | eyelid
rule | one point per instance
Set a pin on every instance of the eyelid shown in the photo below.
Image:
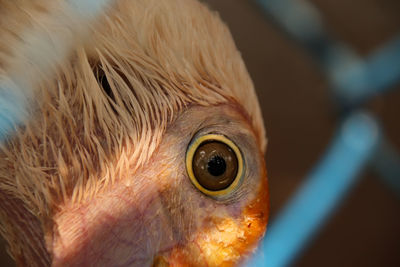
(189, 164)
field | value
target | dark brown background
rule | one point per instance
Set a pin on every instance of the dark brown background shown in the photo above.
(300, 121)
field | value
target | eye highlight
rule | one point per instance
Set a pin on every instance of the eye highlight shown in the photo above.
(214, 165)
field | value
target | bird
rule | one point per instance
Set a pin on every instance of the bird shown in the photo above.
(142, 145)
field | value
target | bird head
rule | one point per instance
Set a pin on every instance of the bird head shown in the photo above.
(144, 148)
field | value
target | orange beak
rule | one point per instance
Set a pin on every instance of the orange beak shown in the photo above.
(224, 241)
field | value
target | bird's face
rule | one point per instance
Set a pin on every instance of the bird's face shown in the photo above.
(145, 146)
(158, 215)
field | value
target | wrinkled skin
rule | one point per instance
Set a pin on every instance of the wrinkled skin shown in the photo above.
(96, 175)
(159, 213)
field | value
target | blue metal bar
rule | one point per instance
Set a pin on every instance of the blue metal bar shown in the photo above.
(358, 80)
(321, 193)
(386, 162)
(302, 22)
(354, 79)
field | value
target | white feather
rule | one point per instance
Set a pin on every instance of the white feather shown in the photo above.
(41, 50)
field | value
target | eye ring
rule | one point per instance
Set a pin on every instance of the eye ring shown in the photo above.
(190, 154)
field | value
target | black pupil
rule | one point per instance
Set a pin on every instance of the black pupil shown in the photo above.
(216, 166)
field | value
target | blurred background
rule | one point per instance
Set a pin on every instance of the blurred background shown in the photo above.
(301, 117)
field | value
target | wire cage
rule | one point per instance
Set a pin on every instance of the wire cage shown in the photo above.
(359, 140)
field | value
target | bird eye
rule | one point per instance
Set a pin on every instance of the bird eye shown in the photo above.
(214, 164)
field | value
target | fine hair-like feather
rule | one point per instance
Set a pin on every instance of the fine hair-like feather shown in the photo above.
(102, 112)
(36, 36)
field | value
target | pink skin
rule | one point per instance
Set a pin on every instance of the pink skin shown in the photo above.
(150, 211)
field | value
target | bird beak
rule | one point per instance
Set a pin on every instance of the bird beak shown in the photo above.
(224, 241)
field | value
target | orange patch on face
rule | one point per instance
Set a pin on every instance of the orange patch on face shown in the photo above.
(228, 240)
